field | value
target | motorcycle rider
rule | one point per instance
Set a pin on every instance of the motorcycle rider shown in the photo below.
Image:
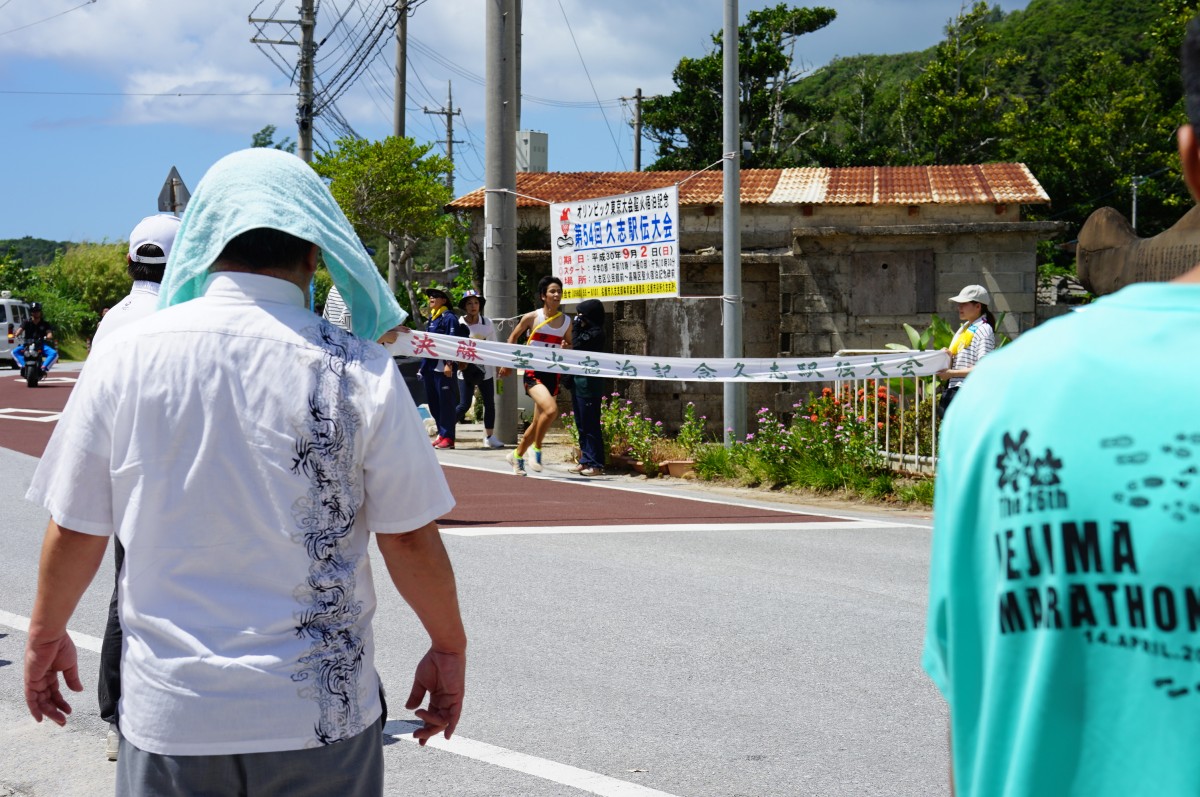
(36, 329)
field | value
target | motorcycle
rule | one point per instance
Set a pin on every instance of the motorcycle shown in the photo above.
(32, 356)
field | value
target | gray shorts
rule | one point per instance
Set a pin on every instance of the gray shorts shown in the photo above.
(351, 768)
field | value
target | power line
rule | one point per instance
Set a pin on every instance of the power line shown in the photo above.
(616, 146)
(47, 19)
(154, 94)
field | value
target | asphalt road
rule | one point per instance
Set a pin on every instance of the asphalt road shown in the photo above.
(628, 638)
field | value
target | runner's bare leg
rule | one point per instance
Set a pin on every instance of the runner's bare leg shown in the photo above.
(545, 410)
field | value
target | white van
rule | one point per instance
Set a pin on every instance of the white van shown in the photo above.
(13, 313)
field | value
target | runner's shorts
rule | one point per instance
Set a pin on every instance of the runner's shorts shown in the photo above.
(547, 380)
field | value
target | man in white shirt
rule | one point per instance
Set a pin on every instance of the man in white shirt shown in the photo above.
(149, 246)
(245, 451)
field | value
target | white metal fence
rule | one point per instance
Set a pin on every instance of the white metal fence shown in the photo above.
(903, 412)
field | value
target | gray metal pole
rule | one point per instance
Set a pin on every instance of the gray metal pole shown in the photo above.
(1135, 187)
(500, 207)
(731, 316)
(304, 119)
(398, 111)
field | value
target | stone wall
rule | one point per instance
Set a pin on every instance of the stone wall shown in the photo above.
(691, 327)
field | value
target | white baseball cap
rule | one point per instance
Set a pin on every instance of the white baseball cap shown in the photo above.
(158, 230)
(973, 293)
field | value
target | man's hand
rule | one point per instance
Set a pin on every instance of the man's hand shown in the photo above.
(503, 371)
(44, 660)
(69, 561)
(441, 675)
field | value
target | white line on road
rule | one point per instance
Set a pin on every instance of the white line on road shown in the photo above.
(52, 380)
(713, 525)
(37, 416)
(581, 779)
(591, 782)
(22, 624)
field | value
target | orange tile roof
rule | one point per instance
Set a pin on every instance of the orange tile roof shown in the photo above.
(852, 185)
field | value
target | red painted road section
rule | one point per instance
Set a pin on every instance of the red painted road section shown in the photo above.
(30, 437)
(500, 499)
(485, 499)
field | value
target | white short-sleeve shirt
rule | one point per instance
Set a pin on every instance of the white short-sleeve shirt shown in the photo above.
(141, 302)
(241, 448)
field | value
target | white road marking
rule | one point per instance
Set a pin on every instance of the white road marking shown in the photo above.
(37, 416)
(576, 778)
(644, 528)
(22, 624)
(590, 782)
(52, 380)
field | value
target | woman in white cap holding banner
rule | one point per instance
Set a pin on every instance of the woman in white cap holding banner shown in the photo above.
(975, 338)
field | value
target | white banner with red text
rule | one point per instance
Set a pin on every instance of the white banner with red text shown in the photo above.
(676, 369)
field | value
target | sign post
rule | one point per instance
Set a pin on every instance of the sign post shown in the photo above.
(174, 195)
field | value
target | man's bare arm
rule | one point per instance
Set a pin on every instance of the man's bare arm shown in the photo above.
(69, 562)
(420, 568)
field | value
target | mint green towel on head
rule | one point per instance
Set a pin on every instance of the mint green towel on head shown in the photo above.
(264, 187)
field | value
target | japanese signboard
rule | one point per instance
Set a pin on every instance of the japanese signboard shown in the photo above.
(617, 247)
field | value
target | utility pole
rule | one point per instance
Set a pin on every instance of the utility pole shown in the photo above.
(731, 232)
(637, 130)
(398, 111)
(1136, 180)
(500, 183)
(304, 102)
(637, 126)
(304, 113)
(449, 113)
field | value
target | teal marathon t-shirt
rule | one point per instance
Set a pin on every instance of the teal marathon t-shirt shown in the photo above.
(1064, 597)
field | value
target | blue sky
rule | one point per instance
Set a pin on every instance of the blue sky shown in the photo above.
(100, 99)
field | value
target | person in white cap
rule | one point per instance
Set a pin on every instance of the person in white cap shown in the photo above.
(975, 338)
(149, 246)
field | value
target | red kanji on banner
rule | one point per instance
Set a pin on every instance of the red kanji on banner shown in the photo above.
(423, 346)
(467, 351)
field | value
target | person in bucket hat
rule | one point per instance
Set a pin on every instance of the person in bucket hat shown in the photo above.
(473, 376)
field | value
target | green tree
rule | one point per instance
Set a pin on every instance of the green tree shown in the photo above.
(266, 138)
(687, 124)
(93, 274)
(958, 108)
(392, 188)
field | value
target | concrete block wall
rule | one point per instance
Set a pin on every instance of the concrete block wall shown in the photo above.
(654, 327)
(799, 294)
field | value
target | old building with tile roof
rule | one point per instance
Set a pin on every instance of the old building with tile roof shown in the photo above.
(832, 258)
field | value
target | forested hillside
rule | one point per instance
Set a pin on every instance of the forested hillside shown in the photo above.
(32, 251)
(1086, 92)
